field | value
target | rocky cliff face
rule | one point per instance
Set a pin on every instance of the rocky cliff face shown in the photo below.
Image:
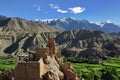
(85, 43)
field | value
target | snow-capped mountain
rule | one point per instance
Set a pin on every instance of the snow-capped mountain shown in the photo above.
(72, 23)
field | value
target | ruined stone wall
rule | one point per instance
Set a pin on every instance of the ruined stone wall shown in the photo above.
(20, 71)
(51, 45)
(47, 66)
(27, 71)
(42, 52)
(58, 53)
(33, 70)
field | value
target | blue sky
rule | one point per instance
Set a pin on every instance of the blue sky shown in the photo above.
(92, 10)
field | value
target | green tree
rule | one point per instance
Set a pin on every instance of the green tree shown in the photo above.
(97, 75)
(88, 76)
(110, 73)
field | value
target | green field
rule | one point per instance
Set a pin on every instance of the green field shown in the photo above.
(85, 67)
(81, 68)
(7, 63)
(86, 70)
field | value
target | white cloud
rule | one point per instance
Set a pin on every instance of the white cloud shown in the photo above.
(74, 10)
(77, 10)
(54, 6)
(37, 7)
(62, 11)
(57, 8)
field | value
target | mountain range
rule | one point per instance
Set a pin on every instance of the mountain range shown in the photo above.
(77, 43)
(73, 24)
(21, 25)
(87, 42)
(19, 35)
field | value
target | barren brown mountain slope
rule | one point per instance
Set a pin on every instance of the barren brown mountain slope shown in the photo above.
(85, 43)
(22, 25)
(17, 32)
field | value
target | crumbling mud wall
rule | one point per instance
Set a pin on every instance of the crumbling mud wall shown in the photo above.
(42, 52)
(27, 71)
(47, 64)
(51, 45)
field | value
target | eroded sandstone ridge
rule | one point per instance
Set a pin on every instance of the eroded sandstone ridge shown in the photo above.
(44, 64)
